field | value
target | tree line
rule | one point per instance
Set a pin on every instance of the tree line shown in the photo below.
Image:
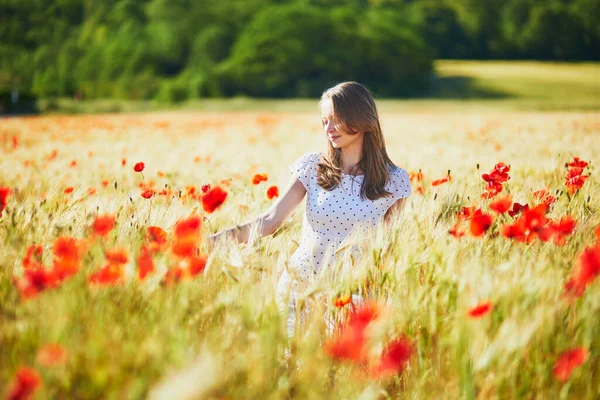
(174, 50)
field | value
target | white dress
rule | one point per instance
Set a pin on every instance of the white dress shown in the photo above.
(331, 216)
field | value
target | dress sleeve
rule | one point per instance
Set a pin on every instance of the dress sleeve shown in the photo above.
(302, 168)
(400, 186)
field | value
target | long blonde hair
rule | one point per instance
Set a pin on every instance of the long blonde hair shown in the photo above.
(355, 111)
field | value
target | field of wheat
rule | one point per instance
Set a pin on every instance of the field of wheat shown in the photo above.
(483, 288)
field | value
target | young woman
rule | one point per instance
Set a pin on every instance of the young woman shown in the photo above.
(354, 185)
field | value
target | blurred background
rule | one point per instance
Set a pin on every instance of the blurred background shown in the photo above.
(55, 54)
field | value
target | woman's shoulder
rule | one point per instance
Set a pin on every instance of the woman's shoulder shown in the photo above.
(396, 171)
(304, 167)
(399, 182)
(314, 155)
(309, 158)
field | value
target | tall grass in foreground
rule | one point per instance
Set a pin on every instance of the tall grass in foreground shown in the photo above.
(220, 334)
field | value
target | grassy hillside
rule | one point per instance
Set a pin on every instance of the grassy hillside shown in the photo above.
(556, 85)
(514, 85)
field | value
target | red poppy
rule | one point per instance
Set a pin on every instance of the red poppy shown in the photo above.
(517, 208)
(52, 155)
(4, 191)
(69, 190)
(567, 362)
(501, 205)
(258, 178)
(273, 192)
(530, 224)
(575, 179)
(187, 236)
(577, 163)
(205, 188)
(565, 226)
(417, 176)
(535, 218)
(498, 174)
(110, 274)
(187, 226)
(350, 344)
(65, 268)
(33, 251)
(184, 248)
(597, 232)
(51, 355)
(544, 196)
(156, 237)
(123, 162)
(587, 271)
(145, 263)
(66, 252)
(394, 358)
(466, 213)
(514, 231)
(65, 247)
(190, 189)
(119, 256)
(104, 183)
(341, 301)
(213, 199)
(494, 180)
(441, 181)
(35, 281)
(457, 230)
(480, 309)
(491, 189)
(196, 265)
(147, 193)
(103, 225)
(139, 167)
(26, 381)
(480, 223)
(73, 163)
(364, 315)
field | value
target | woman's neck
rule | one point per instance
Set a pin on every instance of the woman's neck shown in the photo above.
(350, 158)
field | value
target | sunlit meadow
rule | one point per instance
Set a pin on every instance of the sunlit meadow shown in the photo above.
(485, 304)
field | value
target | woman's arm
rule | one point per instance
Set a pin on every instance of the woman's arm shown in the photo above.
(394, 210)
(269, 221)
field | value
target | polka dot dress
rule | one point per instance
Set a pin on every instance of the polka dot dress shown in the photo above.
(329, 218)
(331, 215)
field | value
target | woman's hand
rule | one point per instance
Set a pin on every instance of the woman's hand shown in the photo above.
(269, 221)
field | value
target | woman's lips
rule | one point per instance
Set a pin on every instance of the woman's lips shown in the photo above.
(333, 137)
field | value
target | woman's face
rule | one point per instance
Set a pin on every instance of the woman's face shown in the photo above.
(337, 137)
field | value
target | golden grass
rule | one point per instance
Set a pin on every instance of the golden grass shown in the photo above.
(220, 335)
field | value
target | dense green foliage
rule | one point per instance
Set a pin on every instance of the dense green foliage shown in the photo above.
(181, 49)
